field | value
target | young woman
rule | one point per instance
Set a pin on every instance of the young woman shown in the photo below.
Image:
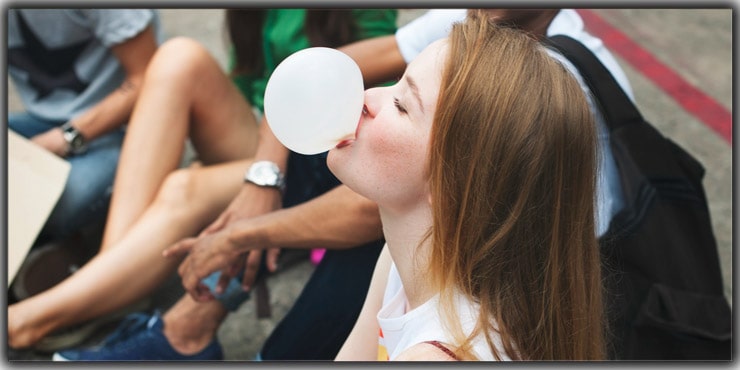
(185, 94)
(482, 161)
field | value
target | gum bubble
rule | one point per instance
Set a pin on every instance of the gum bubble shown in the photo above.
(314, 99)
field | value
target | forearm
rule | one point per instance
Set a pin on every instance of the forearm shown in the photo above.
(115, 109)
(339, 219)
(112, 112)
(378, 58)
(270, 148)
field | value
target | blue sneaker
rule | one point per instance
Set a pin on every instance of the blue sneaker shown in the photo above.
(139, 337)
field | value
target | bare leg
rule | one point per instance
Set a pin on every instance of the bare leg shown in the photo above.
(190, 326)
(189, 200)
(185, 93)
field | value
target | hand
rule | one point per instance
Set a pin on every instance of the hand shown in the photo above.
(205, 255)
(229, 258)
(53, 141)
(220, 251)
(250, 263)
(251, 201)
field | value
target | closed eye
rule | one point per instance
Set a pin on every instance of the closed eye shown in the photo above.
(399, 106)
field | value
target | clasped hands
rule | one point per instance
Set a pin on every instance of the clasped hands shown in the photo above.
(231, 243)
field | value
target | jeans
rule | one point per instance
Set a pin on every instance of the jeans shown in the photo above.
(325, 312)
(89, 186)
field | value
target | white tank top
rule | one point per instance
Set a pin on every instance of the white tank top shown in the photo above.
(400, 330)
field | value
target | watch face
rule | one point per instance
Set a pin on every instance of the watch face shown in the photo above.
(77, 143)
(264, 174)
(267, 175)
(75, 139)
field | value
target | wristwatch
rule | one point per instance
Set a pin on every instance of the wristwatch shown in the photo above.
(74, 138)
(265, 174)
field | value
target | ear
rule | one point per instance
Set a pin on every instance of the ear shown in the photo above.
(428, 191)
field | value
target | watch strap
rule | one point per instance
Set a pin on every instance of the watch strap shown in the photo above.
(76, 143)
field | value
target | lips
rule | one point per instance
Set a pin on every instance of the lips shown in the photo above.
(362, 115)
(344, 143)
(349, 141)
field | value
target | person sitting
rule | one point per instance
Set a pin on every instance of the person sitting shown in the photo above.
(482, 160)
(78, 73)
(185, 94)
(346, 219)
(340, 211)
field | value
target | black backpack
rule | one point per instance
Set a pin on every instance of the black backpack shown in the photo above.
(664, 295)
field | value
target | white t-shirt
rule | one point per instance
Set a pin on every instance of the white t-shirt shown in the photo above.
(437, 23)
(400, 330)
(426, 29)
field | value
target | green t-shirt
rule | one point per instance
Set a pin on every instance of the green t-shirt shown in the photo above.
(283, 35)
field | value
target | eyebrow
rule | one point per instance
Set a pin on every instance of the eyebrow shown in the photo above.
(415, 91)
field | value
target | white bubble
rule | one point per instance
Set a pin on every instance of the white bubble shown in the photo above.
(314, 99)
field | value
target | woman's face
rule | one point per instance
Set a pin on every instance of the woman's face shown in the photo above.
(387, 158)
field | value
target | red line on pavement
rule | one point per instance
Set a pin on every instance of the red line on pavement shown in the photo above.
(693, 100)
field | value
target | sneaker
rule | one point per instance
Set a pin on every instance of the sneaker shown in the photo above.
(140, 337)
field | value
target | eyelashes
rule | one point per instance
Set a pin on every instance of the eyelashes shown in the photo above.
(398, 105)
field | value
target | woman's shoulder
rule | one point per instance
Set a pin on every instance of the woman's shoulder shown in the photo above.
(427, 351)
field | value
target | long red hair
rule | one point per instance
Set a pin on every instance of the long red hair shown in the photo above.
(512, 176)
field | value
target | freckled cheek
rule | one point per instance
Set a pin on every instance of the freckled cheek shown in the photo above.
(400, 157)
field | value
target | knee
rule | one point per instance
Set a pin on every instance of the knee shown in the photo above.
(179, 59)
(177, 190)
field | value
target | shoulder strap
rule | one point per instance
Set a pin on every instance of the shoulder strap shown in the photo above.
(443, 348)
(617, 108)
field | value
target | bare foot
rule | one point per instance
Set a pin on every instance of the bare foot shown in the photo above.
(23, 332)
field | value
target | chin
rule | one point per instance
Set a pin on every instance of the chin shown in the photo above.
(334, 162)
(339, 166)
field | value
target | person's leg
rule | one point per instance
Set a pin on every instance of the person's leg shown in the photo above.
(28, 125)
(190, 326)
(326, 310)
(87, 191)
(322, 317)
(189, 200)
(185, 94)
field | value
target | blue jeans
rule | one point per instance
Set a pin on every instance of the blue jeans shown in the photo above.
(87, 193)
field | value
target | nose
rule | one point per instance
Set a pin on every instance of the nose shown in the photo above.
(372, 102)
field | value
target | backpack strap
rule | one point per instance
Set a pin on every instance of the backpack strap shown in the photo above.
(616, 106)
